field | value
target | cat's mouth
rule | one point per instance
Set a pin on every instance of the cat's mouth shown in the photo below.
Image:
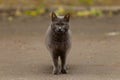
(60, 31)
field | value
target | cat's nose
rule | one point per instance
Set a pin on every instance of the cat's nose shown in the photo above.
(59, 28)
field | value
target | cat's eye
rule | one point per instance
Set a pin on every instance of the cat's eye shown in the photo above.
(59, 24)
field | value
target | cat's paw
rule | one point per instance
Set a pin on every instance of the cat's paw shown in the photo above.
(63, 71)
(55, 72)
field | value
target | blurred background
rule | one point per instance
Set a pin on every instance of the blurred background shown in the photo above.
(76, 7)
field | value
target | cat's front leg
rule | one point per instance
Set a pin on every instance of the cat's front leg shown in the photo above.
(63, 63)
(55, 64)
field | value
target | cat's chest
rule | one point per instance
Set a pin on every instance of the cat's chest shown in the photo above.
(59, 45)
(58, 42)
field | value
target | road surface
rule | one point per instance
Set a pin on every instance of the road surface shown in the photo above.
(95, 52)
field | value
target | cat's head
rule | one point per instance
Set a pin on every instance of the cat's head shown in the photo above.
(60, 24)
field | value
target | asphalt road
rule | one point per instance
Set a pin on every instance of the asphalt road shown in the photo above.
(95, 52)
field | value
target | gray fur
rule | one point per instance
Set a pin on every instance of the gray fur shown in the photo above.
(58, 44)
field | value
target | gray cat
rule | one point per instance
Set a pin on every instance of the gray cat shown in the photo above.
(58, 41)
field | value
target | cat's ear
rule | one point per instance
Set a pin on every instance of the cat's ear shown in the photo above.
(53, 16)
(67, 17)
